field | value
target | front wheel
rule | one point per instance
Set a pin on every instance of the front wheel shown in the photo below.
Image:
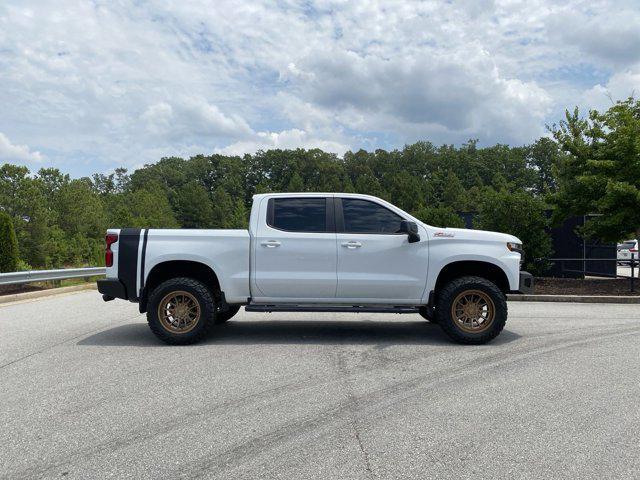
(471, 310)
(181, 311)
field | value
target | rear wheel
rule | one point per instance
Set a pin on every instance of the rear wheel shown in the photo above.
(181, 311)
(224, 315)
(471, 310)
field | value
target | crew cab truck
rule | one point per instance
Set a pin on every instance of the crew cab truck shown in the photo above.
(312, 252)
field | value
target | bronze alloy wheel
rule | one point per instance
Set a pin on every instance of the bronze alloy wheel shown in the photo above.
(179, 312)
(473, 311)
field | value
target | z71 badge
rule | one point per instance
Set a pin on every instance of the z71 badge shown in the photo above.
(444, 234)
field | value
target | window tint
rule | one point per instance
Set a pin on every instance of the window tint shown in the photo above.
(299, 214)
(362, 216)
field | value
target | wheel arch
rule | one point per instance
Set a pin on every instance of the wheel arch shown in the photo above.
(178, 268)
(476, 268)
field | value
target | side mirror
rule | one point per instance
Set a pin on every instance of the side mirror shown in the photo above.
(411, 229)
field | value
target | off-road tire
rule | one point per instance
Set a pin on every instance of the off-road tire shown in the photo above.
(205, 301)
(428, 314)
(223, 316)
(450, 325)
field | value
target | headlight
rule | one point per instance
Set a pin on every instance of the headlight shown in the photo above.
(515, 247)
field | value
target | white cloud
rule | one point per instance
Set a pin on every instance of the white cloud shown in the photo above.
(9, 152)
(158, 117)
(190, 116)
(461, 94)
(612, 38)
(619, 87)
(285, 139)
(100, 84)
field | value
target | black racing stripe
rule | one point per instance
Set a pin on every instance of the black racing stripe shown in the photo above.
(144, 254)
(129, 241)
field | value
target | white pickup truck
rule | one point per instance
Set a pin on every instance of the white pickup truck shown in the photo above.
(316, 252)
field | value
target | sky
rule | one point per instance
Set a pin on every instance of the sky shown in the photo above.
(88, 86)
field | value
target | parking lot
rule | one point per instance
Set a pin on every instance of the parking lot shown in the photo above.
(88, 392)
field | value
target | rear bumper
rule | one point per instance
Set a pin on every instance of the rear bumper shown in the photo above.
(526, 283)
(112, 288)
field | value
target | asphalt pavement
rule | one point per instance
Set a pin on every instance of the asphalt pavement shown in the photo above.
(86, 391)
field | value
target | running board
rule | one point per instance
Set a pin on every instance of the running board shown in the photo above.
(320, 308)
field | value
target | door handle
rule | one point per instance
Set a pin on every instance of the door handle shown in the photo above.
(352, 244)
(270, 243)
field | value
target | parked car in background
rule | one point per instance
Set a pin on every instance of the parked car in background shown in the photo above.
(625, 249)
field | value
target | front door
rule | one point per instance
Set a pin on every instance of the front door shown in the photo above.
(374, 261)
(296, 249)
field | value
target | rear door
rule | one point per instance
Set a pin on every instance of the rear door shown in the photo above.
(375, 261)
(296, 249)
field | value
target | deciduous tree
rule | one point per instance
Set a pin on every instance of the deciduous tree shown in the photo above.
(600, 173)
(518, 214)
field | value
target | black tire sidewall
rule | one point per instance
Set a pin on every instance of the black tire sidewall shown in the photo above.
(448, 294)
(207, 310)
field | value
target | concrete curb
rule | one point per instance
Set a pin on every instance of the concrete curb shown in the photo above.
(17, 297)
(518, 297)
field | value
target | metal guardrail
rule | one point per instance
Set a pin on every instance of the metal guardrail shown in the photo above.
(14, 278)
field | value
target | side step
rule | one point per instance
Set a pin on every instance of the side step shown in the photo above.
(321, 308)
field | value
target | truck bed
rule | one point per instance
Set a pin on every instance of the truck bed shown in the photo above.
(138, 251)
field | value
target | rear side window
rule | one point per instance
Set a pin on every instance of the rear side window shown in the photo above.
(298, 214)
(362, 216)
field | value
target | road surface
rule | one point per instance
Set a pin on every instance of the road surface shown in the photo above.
(87, 392)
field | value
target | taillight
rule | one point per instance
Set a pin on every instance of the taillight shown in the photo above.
(111, 238)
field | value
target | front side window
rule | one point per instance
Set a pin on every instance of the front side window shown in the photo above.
(299, 214)
(363, 216)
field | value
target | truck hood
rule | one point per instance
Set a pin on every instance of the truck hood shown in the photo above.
(467, 234)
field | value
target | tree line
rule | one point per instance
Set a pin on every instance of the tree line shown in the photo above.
(60, 221)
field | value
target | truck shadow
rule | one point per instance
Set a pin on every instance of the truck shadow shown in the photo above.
(248, 332)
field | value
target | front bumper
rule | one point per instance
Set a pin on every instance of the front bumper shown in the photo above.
(112, 288)
(526, 283)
